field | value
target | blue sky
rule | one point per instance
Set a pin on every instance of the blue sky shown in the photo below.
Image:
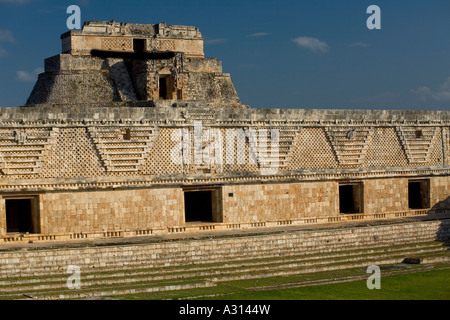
(284, 54)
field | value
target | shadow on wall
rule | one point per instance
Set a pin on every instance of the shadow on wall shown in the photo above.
(443, 207)
(42, 89)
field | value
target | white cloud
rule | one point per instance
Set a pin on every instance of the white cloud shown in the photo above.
(442, 94)
(359, 44)
(423, 93)
(258, 34)
(25, 76)
(6, 36)
(216, 41)
(313, 44)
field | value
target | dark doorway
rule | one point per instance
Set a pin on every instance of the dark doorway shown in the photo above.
(418, 194)
(138, 45)
(350, 198)
(346, 199)
(163, 88)
(126, 134)
(19, 215)
(198, 206)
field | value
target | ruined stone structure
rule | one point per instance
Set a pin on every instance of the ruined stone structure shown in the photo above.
(131, 131)
(108, 62)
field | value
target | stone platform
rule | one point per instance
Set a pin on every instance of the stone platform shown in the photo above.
(169, 263)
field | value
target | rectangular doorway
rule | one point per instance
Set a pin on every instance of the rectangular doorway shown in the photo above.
(21, 215)
(202, 205)
(351, 198)
(418, 194)
(139, 45)
(163, 88)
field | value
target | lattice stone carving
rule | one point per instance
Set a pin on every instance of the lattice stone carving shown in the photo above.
(153, 45)
(286, 141)
(22, 151)
(417, 143)
(310, 150)
(117, 44)
(251, 152)
(160, 162)
(266, 149)
(436, 154)
(73, 155)
(123, 149)
(167, 45)
(385, 149)
(349, 144)
(235, 164)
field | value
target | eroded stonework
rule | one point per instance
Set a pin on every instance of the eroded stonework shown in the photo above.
(109, 61)
(132, 132)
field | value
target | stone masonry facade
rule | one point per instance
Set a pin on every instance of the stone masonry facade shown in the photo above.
(94, 153)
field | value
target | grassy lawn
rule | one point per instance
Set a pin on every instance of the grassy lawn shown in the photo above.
(427, 285)
(419, 285)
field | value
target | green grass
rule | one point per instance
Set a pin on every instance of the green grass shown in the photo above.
(419, 285)
(429, 285)
(264, 285)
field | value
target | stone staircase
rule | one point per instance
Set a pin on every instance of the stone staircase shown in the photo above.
(349, 144)
(123, 149)
(23, 151)
(275, 158)
(116, 270)
(417, 143)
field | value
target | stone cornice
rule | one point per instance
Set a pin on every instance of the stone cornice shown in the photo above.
(149, 111)
(114, 183)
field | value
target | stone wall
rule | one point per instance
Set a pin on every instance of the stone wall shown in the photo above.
(2, 220)
(386, 195)
(88, 147)
(74, 86)
(211, 87)
(106, 145)
(102, 211)
(70, 79)
(203, 65)
(440, 192)
(160, 210)
(300, 117)
(272, 202)
(14, 263)
(119, 37)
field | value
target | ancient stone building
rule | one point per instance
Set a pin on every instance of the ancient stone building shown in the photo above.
(131, 131)
(108, 62)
